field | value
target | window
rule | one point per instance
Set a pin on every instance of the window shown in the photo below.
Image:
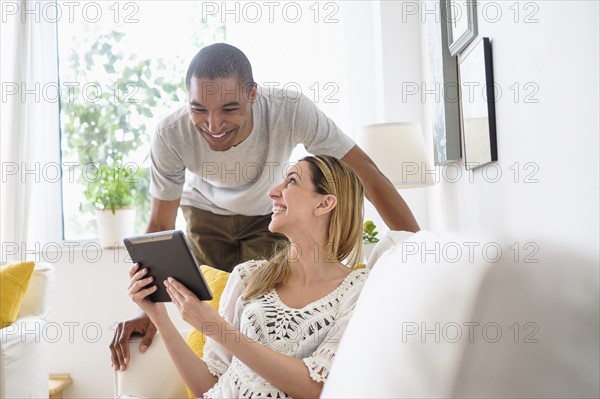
(122, 69)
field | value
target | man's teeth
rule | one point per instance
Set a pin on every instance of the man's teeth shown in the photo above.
(218, 136)
(278, 209)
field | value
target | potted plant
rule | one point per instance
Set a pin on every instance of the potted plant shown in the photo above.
(131, 90)
(112, 192)
(369, 237)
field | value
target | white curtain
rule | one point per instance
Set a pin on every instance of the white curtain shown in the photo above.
(31, 218)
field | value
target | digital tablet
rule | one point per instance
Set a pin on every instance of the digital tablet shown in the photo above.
(167, 254)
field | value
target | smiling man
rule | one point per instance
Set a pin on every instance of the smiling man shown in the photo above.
(219, 155)
(221, 110)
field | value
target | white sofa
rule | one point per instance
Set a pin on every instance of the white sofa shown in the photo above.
(432, 324)
(24, 354)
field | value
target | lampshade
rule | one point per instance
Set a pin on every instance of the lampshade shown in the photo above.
(398, 151)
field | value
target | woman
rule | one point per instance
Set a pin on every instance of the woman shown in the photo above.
(280, 320)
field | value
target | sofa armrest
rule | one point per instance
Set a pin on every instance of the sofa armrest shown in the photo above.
(36, 301)
(151, 374)
(23, 359)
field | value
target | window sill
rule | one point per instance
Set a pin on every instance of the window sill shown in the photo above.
(69, 251)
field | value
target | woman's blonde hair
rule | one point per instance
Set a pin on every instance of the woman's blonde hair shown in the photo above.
(330, 176)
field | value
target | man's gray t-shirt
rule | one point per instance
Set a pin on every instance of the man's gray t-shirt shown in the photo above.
(236, 181)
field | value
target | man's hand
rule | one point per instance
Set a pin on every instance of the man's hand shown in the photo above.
(119, 347)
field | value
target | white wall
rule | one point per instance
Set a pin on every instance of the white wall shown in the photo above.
(393, 56)
(557, 136)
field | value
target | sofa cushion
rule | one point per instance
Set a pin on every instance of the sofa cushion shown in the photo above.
(408, 291)
(24, 359)
(14, 280)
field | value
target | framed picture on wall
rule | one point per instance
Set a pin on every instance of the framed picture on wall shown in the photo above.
(477, 100)
(443, 76)
(461, 22)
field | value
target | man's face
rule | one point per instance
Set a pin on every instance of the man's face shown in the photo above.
(221, 110)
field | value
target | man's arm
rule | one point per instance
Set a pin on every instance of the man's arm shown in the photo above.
(162, 215)
(380, 192)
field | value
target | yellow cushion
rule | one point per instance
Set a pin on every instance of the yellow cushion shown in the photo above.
(216, 279)
(14, 280)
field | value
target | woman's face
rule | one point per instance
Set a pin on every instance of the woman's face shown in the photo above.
(294, 201)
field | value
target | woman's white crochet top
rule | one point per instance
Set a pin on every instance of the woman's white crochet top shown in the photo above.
(311, 333)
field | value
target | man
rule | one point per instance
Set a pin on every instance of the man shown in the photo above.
(219, 155)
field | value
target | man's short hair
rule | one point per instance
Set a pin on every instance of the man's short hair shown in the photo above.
(220, 60)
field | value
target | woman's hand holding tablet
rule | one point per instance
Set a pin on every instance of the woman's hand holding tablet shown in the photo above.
(167, 254)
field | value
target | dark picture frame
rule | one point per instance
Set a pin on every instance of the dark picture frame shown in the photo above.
(461, 22)
(477, 100)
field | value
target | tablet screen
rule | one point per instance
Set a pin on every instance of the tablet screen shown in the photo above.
(167, 254)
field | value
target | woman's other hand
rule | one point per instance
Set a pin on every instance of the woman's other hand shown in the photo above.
(195, 312)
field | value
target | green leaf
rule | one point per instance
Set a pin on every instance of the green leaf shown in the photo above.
(146, 112)
(369, 233)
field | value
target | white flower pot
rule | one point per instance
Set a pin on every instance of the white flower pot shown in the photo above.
(114, 227)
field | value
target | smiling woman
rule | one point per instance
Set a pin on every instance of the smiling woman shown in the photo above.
(279, 320)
